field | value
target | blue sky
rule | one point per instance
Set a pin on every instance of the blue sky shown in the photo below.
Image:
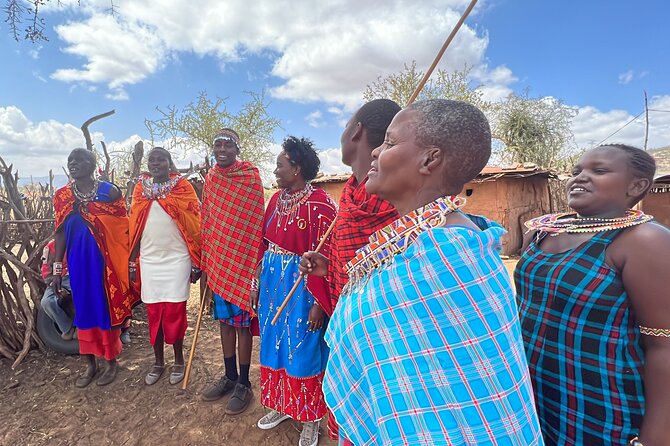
(314, 62)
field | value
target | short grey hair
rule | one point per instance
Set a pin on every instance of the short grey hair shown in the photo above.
(457, 128)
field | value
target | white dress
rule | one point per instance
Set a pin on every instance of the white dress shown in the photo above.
(165, 264)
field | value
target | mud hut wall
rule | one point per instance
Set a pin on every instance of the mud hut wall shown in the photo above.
(334, 189)
(658, 205)
(510, 202)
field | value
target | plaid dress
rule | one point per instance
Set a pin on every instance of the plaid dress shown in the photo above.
(582, 343)
(428, 349)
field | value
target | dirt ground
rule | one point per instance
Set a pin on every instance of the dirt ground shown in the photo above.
(39, 404)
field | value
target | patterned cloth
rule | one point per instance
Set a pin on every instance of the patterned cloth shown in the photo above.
(229, 313)
(428, 351)
(181, 204)
(360, 214)
(292, 358)
(96, 235)
(584, 349)
(232, 217)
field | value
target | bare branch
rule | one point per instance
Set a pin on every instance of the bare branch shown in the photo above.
(84, 127)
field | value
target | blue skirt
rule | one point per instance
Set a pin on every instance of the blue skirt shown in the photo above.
(288, 345)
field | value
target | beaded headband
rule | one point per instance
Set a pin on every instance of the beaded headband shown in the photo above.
(227, 135)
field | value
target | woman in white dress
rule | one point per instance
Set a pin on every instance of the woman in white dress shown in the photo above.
(165, 234)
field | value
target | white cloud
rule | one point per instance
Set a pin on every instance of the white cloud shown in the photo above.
(38, 76)
(315, 119)
(118, 51)
(36, 147)
(34, 52)
(591, 126)
(331, 162)
(118, 94)
(626, 77)
(321, 52)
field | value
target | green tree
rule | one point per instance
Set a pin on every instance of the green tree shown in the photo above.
(535, 130)
(193, 127)
(448, 85)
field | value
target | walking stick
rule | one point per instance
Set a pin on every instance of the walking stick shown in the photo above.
(297, 282)
(412, 98)
(203, 297)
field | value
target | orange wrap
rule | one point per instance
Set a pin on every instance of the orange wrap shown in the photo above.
(108, 222)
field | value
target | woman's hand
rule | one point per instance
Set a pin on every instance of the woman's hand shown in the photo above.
(314, 263)
(195, 274)
(56, 285)
(316, 315)
(253, 300)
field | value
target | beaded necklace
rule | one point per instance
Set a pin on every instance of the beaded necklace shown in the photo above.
(395, 238)
(154, 191)
(85, 197)
(571, 222)
(288, 202)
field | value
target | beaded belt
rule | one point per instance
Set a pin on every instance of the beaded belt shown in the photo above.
(278, 250)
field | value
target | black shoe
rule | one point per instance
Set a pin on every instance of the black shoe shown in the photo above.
(239, 400)
(216, 391)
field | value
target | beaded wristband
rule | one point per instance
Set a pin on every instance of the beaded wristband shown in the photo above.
(255, 286)
(57, 268)
(657, 332)
(132, 264)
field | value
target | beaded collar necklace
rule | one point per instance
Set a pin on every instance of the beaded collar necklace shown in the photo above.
(156, 191)
(571, 222)
(288, 202)
(395, 238)
(90, 196)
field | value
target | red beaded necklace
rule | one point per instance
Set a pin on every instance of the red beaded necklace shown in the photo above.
(571, 222)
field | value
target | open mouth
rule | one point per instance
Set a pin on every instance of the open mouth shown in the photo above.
(577, 189)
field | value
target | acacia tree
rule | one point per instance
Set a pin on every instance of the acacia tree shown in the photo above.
(448, 85)
(535, 130)
(526, 129)
(192, 128)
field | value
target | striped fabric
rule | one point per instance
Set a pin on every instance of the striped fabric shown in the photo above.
(232, 218)
(427, 350)
(583, 346)
(360, 214)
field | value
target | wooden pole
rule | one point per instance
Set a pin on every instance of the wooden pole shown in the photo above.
(203, 297)
(411, 99)
(646, 120)
(297, 282)
(441, 52)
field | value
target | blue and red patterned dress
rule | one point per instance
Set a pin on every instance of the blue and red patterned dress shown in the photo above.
(583, 345)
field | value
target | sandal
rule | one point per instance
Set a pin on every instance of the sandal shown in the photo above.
(177, 374)
(154, 375)
(85, 378)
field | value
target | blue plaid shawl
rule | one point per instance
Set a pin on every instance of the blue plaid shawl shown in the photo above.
(428, 350)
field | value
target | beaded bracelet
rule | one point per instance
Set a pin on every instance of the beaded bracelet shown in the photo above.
(57, 268)
(132, 264)
(255, 285)
(657, 332)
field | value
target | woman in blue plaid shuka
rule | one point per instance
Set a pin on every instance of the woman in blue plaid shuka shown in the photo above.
(425, 341)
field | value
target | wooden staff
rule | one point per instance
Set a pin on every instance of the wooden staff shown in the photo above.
(297, 282)
(203, 297)
(441, 52)
(412, 98)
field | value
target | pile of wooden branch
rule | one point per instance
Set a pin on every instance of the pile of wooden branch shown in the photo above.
(26, 226)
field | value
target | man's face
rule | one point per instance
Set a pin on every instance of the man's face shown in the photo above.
(225, 152)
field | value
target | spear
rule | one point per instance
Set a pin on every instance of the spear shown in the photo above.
(412, 98)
